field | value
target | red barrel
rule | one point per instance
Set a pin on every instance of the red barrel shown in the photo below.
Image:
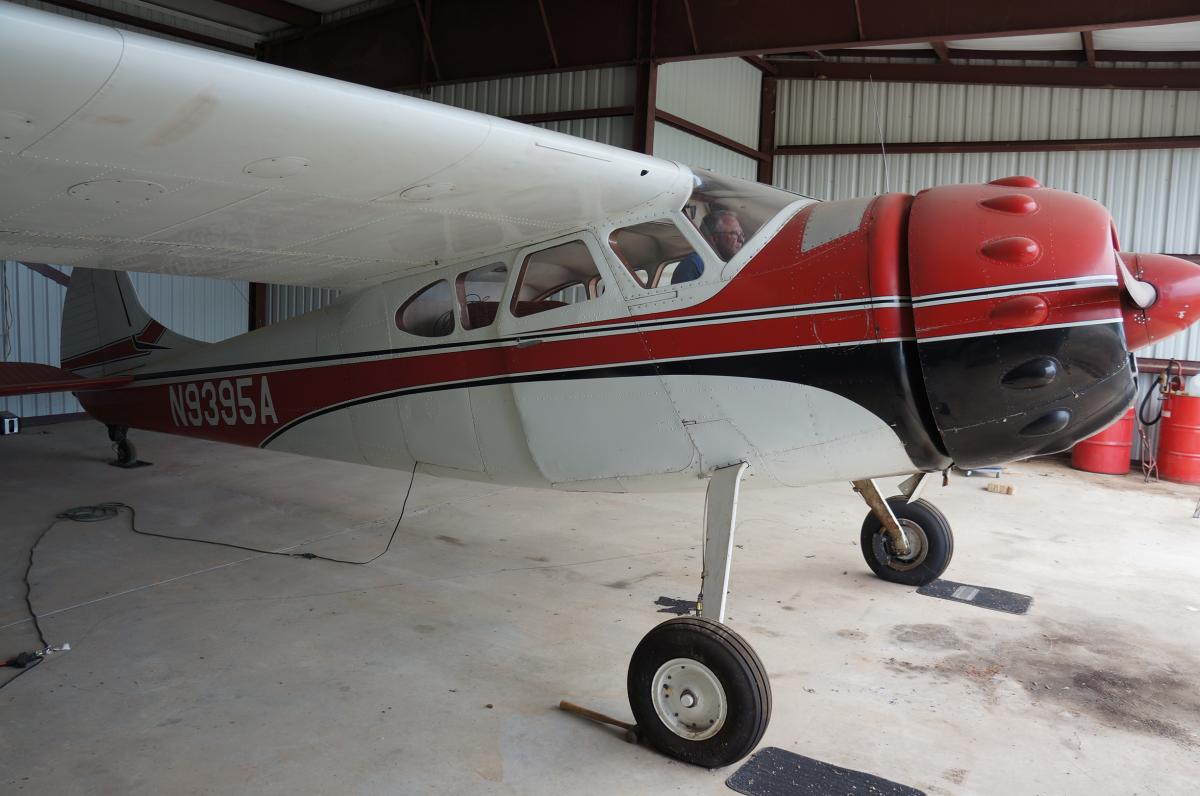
(1107, 451)
(1179, 440)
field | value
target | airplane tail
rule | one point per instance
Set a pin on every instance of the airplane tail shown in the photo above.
(105, 329)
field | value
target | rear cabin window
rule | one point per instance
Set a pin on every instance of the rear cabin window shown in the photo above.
(429, 313)
(557, 277)
(479, 294)
(652, 251)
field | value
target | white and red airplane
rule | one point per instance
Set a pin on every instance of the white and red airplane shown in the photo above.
(514, 309)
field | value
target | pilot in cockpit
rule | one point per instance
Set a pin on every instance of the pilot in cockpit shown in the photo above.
(723, 231)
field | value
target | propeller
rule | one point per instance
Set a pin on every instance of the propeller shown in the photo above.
(1142, 294)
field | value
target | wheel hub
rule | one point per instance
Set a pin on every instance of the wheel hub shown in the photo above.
(918, 547)
(689, 699)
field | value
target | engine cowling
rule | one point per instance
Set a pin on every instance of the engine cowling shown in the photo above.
(1023, 324)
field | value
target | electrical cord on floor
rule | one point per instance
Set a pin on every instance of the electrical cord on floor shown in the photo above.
(28, 660)
(104, 511)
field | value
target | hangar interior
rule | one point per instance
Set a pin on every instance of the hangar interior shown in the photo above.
(437, 668)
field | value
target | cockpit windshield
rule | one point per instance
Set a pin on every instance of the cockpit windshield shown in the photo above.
(728, 211)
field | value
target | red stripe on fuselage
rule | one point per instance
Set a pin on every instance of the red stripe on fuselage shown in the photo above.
(300, 391)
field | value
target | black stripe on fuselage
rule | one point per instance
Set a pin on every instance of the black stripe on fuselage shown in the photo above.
(982, 293)
(583, 331)
(873, 375)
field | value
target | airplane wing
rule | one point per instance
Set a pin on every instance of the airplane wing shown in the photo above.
(127, 152)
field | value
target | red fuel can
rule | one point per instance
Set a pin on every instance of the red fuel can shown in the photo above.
(1179, 439)
(1108, 451)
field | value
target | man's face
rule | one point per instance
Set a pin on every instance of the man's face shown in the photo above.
(728, 237)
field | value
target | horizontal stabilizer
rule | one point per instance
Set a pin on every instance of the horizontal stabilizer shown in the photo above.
(29, 378)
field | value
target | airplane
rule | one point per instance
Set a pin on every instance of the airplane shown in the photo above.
(510, 313)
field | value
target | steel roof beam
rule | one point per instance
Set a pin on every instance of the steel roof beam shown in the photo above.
(958, 147)
(1137, 78)
(1089, 47)
(1077, 56)
(151, 25)
(710, 136)
(280, 10)
(493, 38)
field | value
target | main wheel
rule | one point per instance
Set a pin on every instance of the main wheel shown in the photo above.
(930, 540)
(698, 692)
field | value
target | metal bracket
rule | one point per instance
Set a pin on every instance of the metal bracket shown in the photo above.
(914, 485)
(719, 518)
(883, 512)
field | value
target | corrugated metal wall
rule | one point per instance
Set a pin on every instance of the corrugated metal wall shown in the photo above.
(288, 301)
(720, 94)
(1154, 195)
(31, 316)
(674, 144)
(562, 91)
(204, 309)
(30, 321)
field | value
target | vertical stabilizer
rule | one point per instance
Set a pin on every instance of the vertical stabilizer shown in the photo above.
(105, 329)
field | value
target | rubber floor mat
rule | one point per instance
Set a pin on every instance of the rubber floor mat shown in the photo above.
(778, 772)
(996, 599)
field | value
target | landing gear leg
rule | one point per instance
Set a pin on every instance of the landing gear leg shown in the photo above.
(126, 453)
(698, 691)
(904, 539)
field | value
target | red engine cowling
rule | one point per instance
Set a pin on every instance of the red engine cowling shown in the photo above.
(1020, 317)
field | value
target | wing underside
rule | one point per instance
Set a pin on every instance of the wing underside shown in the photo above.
(126, 152)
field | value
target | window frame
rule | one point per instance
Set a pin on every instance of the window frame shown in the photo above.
(505, 259)
(606, 304)
(712, 263)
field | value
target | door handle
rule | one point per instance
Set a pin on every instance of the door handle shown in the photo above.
(527, 342)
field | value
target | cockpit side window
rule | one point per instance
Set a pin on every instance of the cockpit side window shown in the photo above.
(654, 252)
(557, 277)
(728, 212)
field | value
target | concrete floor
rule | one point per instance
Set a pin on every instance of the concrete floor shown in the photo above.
(437, 669)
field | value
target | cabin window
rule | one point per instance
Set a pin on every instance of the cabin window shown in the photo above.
(479, 294)
(429, 313)
(728, 212)
(652, 251)
(557, 277)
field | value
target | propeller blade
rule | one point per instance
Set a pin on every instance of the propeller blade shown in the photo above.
(1142, 294)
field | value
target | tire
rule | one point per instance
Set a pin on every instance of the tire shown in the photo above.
(715, 654)
(922, 523)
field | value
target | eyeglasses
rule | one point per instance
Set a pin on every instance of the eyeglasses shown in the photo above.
(732, 235)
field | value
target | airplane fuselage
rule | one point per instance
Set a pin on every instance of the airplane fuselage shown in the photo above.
(810, 355)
